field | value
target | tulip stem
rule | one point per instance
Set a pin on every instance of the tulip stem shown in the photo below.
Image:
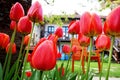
(89, 56)
(9, 54)
(81, 59)
(41, 72)
(101, 65)
(25, 62)
(110, 57)
(19, 56)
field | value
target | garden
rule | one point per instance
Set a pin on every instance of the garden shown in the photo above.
(43, 60)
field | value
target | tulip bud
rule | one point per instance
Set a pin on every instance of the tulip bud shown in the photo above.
(112, 23)
(26, 40)
(28, 73)
(66, 49)
(13, 25)
(74, 27)
(83, 40)
(13, 48)
(35, 12)
(59, 32)
(4, 40)
(44, 56)
(24, 25)
(90, 24)
(16, 12)
(102, 42)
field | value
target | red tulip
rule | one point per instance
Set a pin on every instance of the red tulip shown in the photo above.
(102, 42)
(66, 49)
(74, 27)
(13, 25)
(26, 40)
(53, 37)
(58, 55)
(28, 73)
(83, 40)
(35, 12)
(29, 57)
(62, 70)
(112, 23)
(90, 24)
(39, 42)
(59, 32)
(44, 57)
(24, 25)
(13, 47)
(74, 48)
(4, 40)
(16, 12)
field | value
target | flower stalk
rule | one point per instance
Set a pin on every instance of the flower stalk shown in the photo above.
(89, 56)
(101, 65)
(28, 47)
(9, 55)
(19, 57)
(110, 57)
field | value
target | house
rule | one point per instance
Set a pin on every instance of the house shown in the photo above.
(50, 28)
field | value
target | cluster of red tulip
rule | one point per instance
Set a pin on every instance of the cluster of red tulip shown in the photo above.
(90, 25)
(45, 52)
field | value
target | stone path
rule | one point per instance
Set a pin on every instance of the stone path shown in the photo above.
(97, 78)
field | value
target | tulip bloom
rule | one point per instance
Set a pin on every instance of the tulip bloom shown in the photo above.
(112, 23)
(35, 12)
(59, 32)
(13, 48)
(58, 55)
(29, 57)
(53, 37)
(4, 40)
(24, 25)
(44, 56)
(16, 12)
(74, 27)
(28, 73)
(13, 25)
(66, 49)
(90, 24)
(26, 40)
(102, 42)
(74, 48)
(83, 40)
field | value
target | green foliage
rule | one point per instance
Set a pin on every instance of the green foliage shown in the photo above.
(1, 72)
(56, 19)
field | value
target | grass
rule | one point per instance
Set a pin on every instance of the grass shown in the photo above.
(114, 71)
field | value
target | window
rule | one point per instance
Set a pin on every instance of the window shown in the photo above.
(65, 32)
(51, 29)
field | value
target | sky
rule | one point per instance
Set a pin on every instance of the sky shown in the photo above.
(72, 6)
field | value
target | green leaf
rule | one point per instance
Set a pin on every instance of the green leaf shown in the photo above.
(73, 76)
(1, 72)
(10, 74)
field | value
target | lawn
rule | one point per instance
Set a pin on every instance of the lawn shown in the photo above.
(114, 71)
